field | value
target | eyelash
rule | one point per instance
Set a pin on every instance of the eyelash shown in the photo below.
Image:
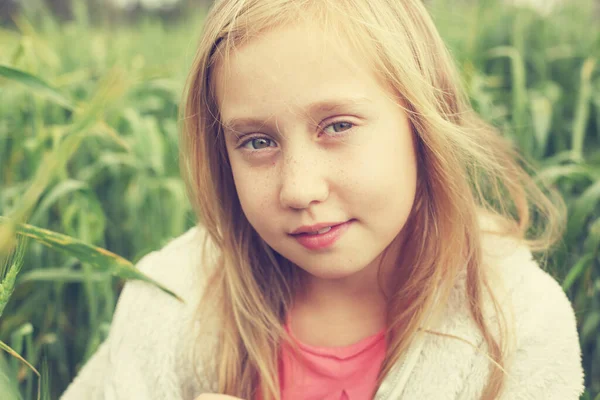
(337, 135)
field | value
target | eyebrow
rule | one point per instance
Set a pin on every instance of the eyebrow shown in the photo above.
(326, 106)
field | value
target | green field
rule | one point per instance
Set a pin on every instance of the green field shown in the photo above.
(88, 149)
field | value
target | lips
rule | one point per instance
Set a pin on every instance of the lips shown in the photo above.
(316, 229)
(319, 232)
(321, 241)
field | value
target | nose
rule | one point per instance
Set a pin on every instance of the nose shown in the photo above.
(303, 179)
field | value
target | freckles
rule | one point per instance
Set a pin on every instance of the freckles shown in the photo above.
(346, 178)
(267, 196)
(354, 185)
(358, 175)
(262, 193)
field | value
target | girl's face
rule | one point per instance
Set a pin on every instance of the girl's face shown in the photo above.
(313, 137)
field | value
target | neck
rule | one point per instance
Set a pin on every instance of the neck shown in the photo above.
(360, 290)
(372, 285)
(338, 312)
(351, 307)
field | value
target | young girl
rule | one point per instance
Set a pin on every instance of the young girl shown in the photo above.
(362, 232)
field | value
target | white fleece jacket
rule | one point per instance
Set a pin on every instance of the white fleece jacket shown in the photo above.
(148, 352)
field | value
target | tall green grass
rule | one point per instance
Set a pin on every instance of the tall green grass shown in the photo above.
(88, 148)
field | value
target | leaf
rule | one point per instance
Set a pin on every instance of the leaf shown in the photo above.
(9, 386)
(60, 275)
(112, 161)
(577, 270)
(38, 86)
(12, 267)
(582, 110)
(49, 165)
(581, 210)
(95, 256)
(543, 101)
(7, 241)
(13, 353)
(592, 242)
(519, 93)
(63, 188)
(44, 386)
(590, 325)
(571, 171)
(541, 112)
(110, 89)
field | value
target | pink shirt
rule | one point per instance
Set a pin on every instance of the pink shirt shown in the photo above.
(332, 373)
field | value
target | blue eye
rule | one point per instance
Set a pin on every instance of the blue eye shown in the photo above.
(257, 143)
(339, 127)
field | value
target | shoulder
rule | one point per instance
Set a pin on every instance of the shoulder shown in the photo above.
(520, 283)
(545, 356)
(148, 324)
(524, 289)
(178, 266)
(175, 266)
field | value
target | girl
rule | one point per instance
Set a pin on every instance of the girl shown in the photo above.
(362, 232)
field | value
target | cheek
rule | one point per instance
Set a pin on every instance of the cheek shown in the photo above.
(385, 171)
(254, 190)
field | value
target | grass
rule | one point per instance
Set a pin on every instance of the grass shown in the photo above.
(88, 148)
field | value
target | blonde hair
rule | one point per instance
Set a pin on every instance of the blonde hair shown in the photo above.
(464, 167)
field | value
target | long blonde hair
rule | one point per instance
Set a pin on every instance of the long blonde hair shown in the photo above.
(465, 167)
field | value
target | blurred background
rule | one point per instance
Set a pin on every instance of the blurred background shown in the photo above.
(89, 92)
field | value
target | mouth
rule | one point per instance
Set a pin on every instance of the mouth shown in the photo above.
(319, 238)
(320, 231)
(317, 229)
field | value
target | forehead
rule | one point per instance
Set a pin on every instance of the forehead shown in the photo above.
(290, 69)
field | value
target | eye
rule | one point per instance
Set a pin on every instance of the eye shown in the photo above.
(257, 143)
(338, 127)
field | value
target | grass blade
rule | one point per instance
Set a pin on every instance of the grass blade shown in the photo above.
(37, 85)
(96, 256)
(577, 270)
(519, 94)
(10, 268)
(8, 381)
(16, 355)
(62, 275)
(582, 112)
(580, 211)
